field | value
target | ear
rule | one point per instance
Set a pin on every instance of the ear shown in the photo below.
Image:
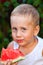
(36, 30)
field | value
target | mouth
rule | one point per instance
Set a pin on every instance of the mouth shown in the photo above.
(19, 41)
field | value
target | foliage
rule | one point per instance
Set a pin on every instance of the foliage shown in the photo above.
(6, 6)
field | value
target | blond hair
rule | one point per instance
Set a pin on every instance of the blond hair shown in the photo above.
(26, 9)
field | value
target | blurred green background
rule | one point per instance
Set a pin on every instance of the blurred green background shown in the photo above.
(6, 6)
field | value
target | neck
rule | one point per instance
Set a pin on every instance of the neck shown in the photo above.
(29, 47)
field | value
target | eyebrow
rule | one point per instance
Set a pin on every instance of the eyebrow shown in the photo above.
(23, 28)
(13, 27)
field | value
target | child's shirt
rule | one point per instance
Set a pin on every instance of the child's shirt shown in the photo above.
(34, 55)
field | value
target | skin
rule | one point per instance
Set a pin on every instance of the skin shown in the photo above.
(23, 28)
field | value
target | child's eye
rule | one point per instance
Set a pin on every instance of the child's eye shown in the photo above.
(24, 29)
(14, 29)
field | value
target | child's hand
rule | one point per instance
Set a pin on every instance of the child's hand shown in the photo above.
(8, 63)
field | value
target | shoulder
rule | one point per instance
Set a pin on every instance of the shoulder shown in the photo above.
(40, 41)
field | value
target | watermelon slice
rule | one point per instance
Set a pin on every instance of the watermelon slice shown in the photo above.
(11, 54)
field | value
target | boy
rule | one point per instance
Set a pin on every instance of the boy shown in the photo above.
(25, 28)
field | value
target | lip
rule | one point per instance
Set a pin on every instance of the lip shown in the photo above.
(19, 41)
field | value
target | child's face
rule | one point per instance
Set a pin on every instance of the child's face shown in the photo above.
(22, 29)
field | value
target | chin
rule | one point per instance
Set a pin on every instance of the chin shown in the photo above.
(21, 44)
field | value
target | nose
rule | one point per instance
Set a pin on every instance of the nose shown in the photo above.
(18, 34)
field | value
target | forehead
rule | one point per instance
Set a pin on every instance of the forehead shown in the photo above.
(21, 20)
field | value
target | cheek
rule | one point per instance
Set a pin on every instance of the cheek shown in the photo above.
(28, 35)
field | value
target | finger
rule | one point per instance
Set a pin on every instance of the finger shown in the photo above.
(14, 63)
(1, 63)
(7, 63)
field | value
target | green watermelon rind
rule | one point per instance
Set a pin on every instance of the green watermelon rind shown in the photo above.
(18, 59)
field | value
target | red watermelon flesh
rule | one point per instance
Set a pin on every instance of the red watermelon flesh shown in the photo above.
(9, 53)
